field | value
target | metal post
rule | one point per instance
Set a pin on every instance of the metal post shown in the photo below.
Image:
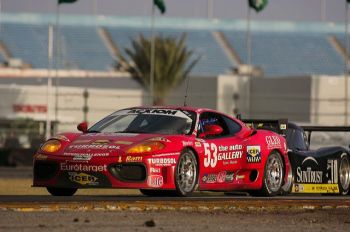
(151, 85)
(323, 10)
(57, 60)
(49, 83)
(346, 61)
(210, 9)
(249, 58)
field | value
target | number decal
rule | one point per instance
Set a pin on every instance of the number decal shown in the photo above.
(207, 155)
(210, 155)
(332, 168)
(214, 159)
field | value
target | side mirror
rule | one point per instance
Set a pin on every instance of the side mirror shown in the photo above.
(211, 130)
(82, 127)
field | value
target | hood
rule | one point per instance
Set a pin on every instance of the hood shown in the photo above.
(106, 144)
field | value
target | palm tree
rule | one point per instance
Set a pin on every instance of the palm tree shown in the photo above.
(171, 63)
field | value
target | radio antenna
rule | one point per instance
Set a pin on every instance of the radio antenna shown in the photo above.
(187, 83)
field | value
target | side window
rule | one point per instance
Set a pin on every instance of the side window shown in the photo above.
(210, 118)
(232, 126)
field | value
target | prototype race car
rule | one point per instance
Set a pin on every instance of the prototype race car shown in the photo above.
(164, 150)
(324, 170)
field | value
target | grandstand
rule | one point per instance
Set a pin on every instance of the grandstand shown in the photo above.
(279, 49)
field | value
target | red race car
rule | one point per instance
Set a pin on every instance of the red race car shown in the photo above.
(164, 150)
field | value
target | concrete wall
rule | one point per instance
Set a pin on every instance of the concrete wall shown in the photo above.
(328, 105)
(287, 97)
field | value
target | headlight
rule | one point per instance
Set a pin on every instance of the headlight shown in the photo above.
(51, 146)
(149, 146)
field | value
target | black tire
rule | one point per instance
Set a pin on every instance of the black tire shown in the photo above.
(273, 176)
(344, 175)
(158, 193)
(186, 173)
(61, 191)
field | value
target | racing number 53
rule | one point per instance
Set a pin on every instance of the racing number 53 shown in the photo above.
(210, 155)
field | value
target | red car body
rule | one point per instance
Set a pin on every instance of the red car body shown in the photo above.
(233, 161)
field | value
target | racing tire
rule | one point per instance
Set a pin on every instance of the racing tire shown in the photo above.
(158, 193)
(186, 173)
(61, 191)
(288, 185)
(344, 175)
(273, 176)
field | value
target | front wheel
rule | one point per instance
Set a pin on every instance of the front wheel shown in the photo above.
(344, 175)
(186, 173)
(61, 191)
(273, 176)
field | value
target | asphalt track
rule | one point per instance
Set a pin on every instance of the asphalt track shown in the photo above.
(200, 201)
(195, 203)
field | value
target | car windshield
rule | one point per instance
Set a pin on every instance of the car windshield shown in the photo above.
(153, 121)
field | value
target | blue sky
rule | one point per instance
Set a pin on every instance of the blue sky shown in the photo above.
(279, 10)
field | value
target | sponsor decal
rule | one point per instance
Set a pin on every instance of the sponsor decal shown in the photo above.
(123, 142)
(273, 142)
(209, 178)
(213, 154)
(74, 154)
(315, 188)
(83, 178)
(307, 174)
(187, 143)
(240, 177)
(197, 144)
(93, 146)
(160, 139)
(200, 140)
(332, 171)
(97, 142)
(229, 177)
(83, 167)
(167, 154)
(26, 108)
(283, 126)
(80, 141)
(162, 161)
(253, 154)
(133, 159)
(153, 111)
(40, 157)
(221, 177)
(154, 170)
(110, 134)
(155, 181)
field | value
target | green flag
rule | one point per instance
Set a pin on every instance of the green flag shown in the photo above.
(259, 5)
(66, 1)
(160, 4)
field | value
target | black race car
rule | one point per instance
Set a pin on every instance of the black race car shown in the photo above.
(324, 170)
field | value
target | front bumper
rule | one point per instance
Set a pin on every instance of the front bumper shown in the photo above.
(148, 172)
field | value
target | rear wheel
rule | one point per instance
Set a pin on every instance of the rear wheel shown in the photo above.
(344, 175)
(61, 191)
(186, 173)
(273, 176)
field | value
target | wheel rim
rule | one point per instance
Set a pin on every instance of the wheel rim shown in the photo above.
(344, 175)
(187, 172)
(274, 173)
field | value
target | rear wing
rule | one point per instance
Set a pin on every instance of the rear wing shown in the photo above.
(310, 129)
(279, 126)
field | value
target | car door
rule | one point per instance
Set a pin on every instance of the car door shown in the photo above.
(221, 151)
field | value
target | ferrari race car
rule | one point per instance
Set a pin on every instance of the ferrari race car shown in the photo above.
(323, 170)
(164, 150)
